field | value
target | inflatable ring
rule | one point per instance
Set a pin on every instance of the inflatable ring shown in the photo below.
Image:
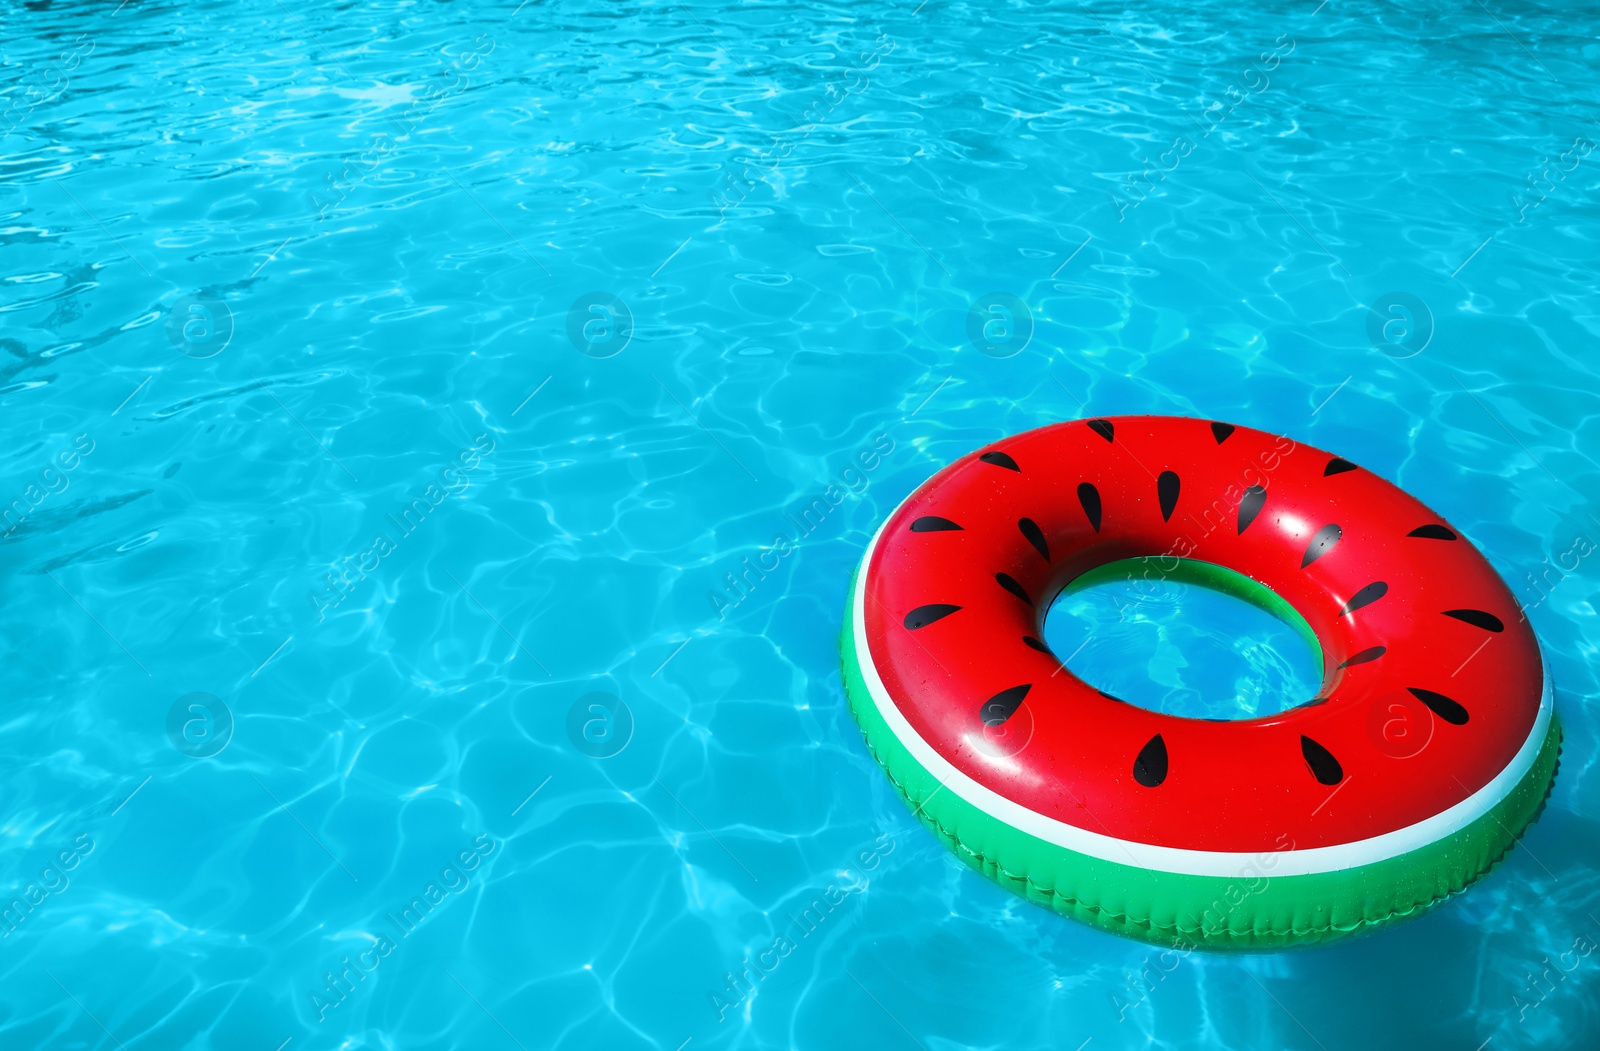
(1430, 746)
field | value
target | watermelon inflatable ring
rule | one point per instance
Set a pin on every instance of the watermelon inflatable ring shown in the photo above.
(1430, 746)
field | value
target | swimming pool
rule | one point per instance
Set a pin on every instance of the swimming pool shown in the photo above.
(440, 434)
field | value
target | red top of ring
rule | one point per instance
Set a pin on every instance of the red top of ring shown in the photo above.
(1431, 682)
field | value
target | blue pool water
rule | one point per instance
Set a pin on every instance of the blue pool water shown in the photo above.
(1182, 649)
(394, 393)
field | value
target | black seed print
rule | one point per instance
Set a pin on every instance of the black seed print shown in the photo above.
(1337, 465)
(1444, 707)
(1150, 767)
(1432, 532)
(1034, 643)
(1012, 586)
(1001, 460)
(1035, 535)
(1365, 597)
(1003, 705)
(922, 616)
(1370, 654)
(933, 524)
(1324, 767)
(1167, 487)
(1089, 497)
(1321, 544)
(1222, 430)
(1477, 618)
(1250, 505)
(1104, 429)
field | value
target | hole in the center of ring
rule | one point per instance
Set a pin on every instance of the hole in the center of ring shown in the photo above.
(1186, 638)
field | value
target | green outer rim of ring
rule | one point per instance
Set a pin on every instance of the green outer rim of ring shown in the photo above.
(1255, 910)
